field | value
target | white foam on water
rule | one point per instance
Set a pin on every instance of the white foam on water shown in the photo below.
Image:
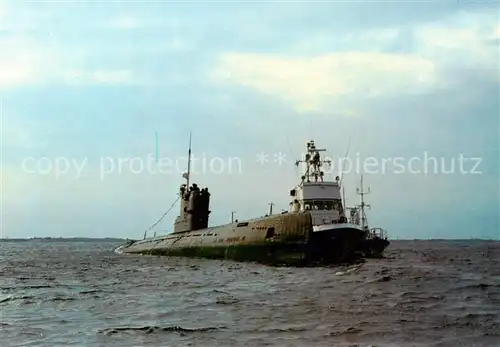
(340, 273)
(119, 250)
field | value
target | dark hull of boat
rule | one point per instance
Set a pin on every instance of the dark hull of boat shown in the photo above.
(372, 247)
(334, 246)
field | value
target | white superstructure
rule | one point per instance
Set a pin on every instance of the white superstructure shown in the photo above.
(322, 198)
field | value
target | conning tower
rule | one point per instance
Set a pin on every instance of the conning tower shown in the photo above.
(195, 204)
(194, 208)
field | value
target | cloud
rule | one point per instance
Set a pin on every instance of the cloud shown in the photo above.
(371, 41)
(23, 58)
(26, 62)
(37, 69)
(99, 77)
(23, 62)
(3, 11)
(331, 71)
(125, 22)
(468, 40)
(174, 29)
(128, 21)
(309, 83)
(419, 80)
(31, 53)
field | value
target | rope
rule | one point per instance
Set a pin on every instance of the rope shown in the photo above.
(159, 220)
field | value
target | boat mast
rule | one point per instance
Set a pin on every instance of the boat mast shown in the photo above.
(313, 163)
(341, 178)
(345, 158)
(360, 191)
(344, 205)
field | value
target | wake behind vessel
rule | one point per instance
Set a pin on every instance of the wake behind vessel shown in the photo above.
(314, 231)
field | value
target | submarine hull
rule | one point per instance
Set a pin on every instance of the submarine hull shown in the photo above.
(286, 239)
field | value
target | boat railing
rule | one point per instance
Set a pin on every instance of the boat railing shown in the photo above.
(378, 232)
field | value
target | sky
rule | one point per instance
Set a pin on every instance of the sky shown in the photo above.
(98, 99)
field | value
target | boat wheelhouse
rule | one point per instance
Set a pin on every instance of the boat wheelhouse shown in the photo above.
(322, 198)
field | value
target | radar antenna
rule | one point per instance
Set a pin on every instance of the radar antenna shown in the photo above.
(313, 162)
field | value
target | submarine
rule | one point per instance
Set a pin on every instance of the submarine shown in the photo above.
(314, 232)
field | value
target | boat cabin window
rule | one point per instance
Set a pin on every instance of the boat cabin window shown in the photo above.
(328, 205)
(337, 205)
(319, 205)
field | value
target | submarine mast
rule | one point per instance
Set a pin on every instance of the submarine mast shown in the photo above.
(195, 202)
(188, 174)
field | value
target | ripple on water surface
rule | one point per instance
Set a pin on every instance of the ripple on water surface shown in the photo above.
(427, 293)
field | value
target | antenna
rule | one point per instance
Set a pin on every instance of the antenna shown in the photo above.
(313, 162)
(346, 153)
(360, 191)
(271, 204)
(189, 160)
(343, 198)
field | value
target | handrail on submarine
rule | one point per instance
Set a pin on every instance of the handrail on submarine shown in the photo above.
(161, 218)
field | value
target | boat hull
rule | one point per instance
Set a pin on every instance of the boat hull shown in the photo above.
(335, 243)
(286, 239)
(372, 247)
